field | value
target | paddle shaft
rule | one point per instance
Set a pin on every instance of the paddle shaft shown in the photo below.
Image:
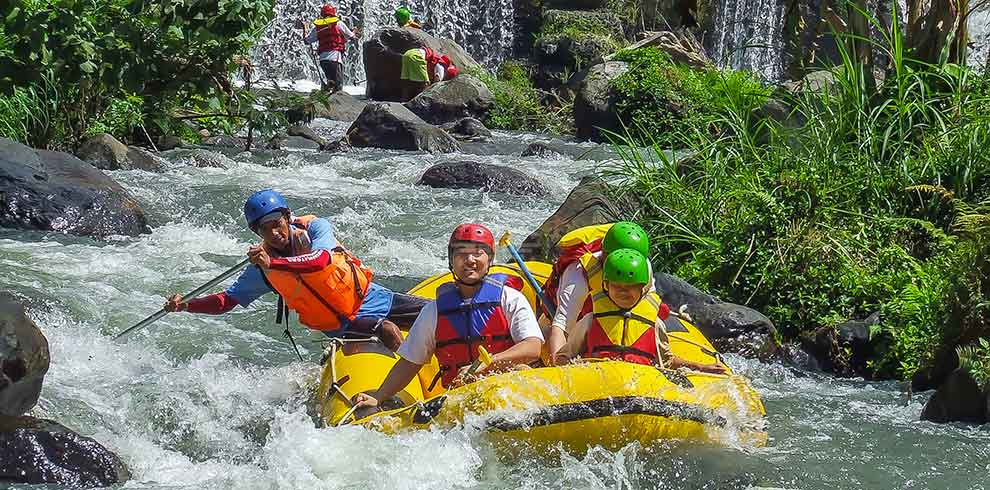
(547, 306)
(192, 294)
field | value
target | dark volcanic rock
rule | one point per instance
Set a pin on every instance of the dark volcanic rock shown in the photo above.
(37, 451)
(676, 292)
(340, 106)
(489, 178)
(383, 59)
(468, 129)
(588, 204)
(53, 191)
(541, 150)
(24, 358)
(224, 141)
(391, 125)
(464, 96)
(847, 348)
(734, 328)
(106, 153)
(958, 399)
(594, 109)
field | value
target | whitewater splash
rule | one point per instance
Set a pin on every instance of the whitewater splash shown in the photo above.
(484, 28)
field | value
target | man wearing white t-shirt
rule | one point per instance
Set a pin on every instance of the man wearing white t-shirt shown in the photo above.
(475, 310)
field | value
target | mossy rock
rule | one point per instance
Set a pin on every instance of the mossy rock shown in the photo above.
(578, 39)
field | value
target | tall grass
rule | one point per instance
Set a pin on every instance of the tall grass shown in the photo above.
(819, 218)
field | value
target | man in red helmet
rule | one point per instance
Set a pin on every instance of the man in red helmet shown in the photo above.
(473, 311)
(332, 34)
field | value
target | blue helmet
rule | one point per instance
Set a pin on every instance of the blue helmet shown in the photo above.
(261, 203)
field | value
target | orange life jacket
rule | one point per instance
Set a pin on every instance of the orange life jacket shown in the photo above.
(326, 299)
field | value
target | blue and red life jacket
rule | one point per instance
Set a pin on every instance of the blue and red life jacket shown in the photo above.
(465, 324)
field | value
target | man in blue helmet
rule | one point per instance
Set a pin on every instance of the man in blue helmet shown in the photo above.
(315, 276)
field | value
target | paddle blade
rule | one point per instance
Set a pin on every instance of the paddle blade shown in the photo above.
(505, 240)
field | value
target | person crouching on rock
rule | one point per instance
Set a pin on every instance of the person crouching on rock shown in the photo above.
(403, 18)
(420, 68)
(625, 319)
(300, 260)
(476, 310)
(332, 35)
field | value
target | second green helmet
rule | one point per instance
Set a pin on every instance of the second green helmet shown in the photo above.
(627, 266)
(626, 234)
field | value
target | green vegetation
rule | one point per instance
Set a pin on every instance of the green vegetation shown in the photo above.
(865, 196)
(520, 106)
(69, 68)
(589, 35)
(674, 105)
(976, 359)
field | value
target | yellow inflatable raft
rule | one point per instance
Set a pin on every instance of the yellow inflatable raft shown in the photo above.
(594, 402)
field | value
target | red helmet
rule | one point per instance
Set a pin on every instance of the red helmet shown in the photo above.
(451, 72)
(474, 233)
(328, 11)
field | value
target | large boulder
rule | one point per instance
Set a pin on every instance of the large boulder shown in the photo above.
(594, 110)
(24, 358)
(846, 349)
(383, 59)
(341, 106)
(488, 178)
(444, 102)
(734, 328)
(959, 399)
(106, 153)
(468, 129)
(38, 451)
(297, 136)
(588, 204)
(677, 292)
(392, 126)
(53, 191)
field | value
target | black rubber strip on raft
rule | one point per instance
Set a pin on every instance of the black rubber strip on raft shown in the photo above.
(607, 407)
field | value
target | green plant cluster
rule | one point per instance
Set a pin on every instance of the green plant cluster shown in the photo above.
(975, 358)
(672, 104)
(521, 107)
(866, 197)
(586, 36)
(96, 59)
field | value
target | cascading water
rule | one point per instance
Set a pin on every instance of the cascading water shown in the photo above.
(482, 27)
(749, 36)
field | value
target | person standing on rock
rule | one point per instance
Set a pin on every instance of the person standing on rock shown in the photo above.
(314, 275)
(332, 35)
(476, 310)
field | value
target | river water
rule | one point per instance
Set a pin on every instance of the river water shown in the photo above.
(221, 402)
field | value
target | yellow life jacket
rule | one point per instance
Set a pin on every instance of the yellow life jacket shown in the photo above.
(326, 299)
(583, 244)
(629, 335)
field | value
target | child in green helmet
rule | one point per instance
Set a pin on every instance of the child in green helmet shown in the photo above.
(625, 320)
(403, 18)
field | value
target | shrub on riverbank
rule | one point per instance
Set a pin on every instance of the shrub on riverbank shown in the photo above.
(90, 58)
(522, 107)
(674, 105)
(858, 208)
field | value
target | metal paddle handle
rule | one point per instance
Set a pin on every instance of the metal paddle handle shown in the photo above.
(192, 294)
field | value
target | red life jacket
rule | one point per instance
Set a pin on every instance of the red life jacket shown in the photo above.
(628, 335)
(329, 35)
(465, 324)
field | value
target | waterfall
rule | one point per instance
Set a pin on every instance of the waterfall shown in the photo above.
(749, 36)
(484, 28)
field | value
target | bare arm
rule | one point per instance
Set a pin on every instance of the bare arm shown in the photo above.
(523, 352)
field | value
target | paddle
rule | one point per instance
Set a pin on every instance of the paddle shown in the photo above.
(547, 306)
(483, 358)
(192, 294)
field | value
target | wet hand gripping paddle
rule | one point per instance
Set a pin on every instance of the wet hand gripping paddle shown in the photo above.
(192, 294)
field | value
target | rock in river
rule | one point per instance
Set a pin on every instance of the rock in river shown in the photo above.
(390, 125)
(24, 358)
(464, 96)
(474, 175)
(54, 191)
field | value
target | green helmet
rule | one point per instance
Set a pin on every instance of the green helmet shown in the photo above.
(626, 234)
(402, 16)
(627, 266)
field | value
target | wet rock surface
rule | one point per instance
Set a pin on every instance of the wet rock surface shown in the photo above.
(38, 451)
(392, 126)
(468, 129)
(24, 358)
(959, 399)
(54, 191)
(484, 177)
(383, 59)
(451, 100)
